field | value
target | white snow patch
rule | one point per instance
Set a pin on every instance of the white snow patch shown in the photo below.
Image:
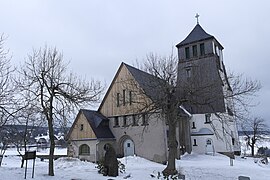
(193, 166)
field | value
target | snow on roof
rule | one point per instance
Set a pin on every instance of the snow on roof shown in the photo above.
(182, 107)
(202, 131)
(46, 137)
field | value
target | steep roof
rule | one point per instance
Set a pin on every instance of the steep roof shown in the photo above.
(98, 122)
(197, 34)
(150, 84)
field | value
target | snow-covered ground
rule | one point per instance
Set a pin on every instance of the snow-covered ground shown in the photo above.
(194, 166)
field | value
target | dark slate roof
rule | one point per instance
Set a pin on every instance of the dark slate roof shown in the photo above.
(98, 123)
(150, 84)
(197, 34)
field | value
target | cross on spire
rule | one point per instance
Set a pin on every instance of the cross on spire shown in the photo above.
(197, 17)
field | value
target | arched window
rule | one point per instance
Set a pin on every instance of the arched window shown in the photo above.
(84, 150)
(208, 142)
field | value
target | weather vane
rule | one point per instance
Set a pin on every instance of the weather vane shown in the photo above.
(197, 17)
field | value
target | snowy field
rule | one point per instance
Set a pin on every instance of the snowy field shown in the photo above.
(194, 166)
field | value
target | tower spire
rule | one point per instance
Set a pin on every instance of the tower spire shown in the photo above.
(197, 17)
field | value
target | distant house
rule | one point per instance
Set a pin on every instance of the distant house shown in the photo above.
(207, 127)
(44, 140)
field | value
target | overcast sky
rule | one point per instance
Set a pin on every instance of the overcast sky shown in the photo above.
(97, 35)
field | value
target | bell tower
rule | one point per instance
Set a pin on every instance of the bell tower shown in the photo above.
(201, 72)
(201, 81)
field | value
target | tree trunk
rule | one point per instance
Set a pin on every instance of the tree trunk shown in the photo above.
(52, 145)
(24, 142)
(22, 162)
(253, 142)
(172, 144)
(252, 149)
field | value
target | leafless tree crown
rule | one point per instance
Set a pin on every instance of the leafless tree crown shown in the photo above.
(6, 87)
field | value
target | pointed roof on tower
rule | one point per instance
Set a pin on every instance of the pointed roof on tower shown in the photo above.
(197, 34)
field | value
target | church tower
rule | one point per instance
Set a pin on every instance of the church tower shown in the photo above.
(202, 86)
(201, 72)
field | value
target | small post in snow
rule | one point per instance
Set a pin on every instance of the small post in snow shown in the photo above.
(231, 161)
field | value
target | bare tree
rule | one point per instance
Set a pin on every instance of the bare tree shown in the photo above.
(4, 142)
(242, 94)
(6, 87)
(163, 85)
(164, 69)
(45, 77)
(24, 123)
(254, 130)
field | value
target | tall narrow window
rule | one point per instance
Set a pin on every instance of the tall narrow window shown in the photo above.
(81, 127)
(188, 72)
(124, 97)
(187, 52)
(207, 118)
(193, 125)
(233, 141)
(144, 119)
(134, 120)
(202, 50)
(124, 121)
(116, 121)
(118, 99)
(230, 112)
(194, 50)
(130, 97)
(217, 50)
(195, 142)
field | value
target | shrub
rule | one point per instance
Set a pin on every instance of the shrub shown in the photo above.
(100, 167)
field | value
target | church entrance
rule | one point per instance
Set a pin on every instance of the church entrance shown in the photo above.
(209, 147)
(128, 146)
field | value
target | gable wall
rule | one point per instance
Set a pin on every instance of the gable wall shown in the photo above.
(87, 131)
(150, 141)
(124, 81)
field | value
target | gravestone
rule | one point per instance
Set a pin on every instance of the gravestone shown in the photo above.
(243, 178)
(110, 161)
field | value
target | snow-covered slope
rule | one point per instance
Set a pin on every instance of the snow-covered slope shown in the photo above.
(194, 166)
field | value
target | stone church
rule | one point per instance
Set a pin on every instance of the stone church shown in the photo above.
(207, 124)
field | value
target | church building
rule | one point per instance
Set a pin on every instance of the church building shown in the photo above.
(207, 124)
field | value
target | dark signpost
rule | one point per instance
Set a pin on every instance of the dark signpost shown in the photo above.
(27, 156)
(1, 157)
